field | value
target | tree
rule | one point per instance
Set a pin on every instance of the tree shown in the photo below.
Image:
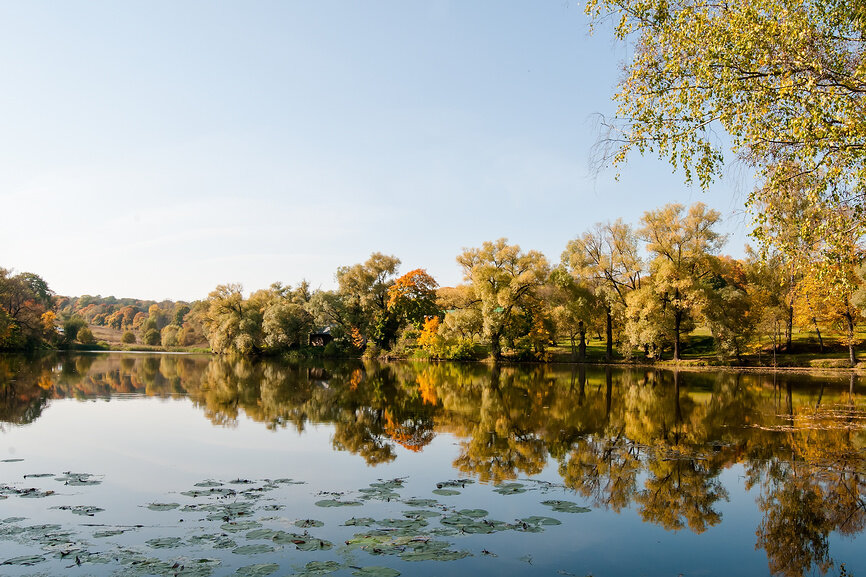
(606, 257)
(503, 278)
(574, 309)
(681, 244)
(412, 297)
(231, 324)
(85, 336)
(364, 290)
(783, 78)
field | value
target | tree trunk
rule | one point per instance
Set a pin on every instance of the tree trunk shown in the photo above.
(581, 351)
(573, 349)
(852, 356)
(495, 347)
(609, 353)
(789, 328)
(818, 330)
(677, 322)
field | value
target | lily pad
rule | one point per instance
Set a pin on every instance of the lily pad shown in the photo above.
(474, 513)
(455, 483)
(566, 506)
(163, 506)
(11, 460)
(259, 570)
(252, 549)
(538, 520)
(165, 542)
(359, 521)
(445, 492)
(208, 484)
(375, 571)
(422, 502)
(83, 510)
(25, 560)
(38, 475)
(238, 526)
(510, 488)
(260, 534)
(78, 479)
(305, 523)
(337, 503)
(421, 514)
(109, 533)
(319, 568)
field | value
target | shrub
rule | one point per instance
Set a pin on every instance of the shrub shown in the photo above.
(128, 338)
(331, 350)
(151, 337)
(85, 336)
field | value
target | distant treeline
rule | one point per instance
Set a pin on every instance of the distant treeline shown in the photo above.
(641, 289)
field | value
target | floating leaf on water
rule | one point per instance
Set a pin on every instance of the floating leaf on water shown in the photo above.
(445, 492)
(475, 513)
(238, 526)
(454, 483)
(219, 491)
(566, 506)
(434, 555)
(422, 502)
(337, 503)
(312, 544)
(538, 520)
(11, 460)
(260, 534)
(288, 482)
(215, 541)
(241, 482)
(162, 506)
(305, 523)
(26, 560)
(33, 493)
(252, 549)
(414, 524)
(319, 568)
(165, 542)
(78, 479)
(273, 507)
(526, 559)
(13, 519)
(421, 514)
(109, 533)
(38, 475)
(208, 484)
(375, 571)
(83, 510)
(510, 488)
(360, 521)
(260, 570)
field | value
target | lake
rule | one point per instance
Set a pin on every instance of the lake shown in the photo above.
(140, 464)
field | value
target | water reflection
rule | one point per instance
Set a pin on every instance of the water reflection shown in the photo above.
(655, 441)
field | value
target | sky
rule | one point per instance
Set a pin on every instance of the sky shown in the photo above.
(157, 149)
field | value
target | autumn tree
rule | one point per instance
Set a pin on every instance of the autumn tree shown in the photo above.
(24, 297)
(363, 288)
(503, 278)
(607, 259)
(574, 309)
(231, 324)
(680, 243)
(412, 297)
(783, 78)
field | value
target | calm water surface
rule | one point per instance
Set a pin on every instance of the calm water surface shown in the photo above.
(129, 464)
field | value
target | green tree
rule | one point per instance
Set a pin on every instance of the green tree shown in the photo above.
(363, 288)
(503, 279)
(232, 325)
(680, 244)
(784, 78)
(607, 259)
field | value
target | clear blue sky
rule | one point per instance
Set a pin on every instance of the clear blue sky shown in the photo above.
(156, 149)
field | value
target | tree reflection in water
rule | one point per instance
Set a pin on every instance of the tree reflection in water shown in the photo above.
(656, 441)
